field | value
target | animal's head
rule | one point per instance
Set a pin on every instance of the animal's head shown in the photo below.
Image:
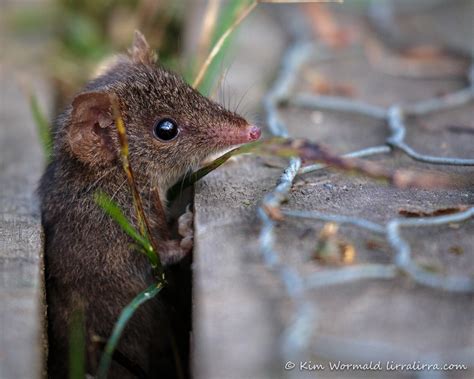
(170, 126)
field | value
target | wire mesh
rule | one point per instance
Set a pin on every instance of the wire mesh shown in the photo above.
(297, 337)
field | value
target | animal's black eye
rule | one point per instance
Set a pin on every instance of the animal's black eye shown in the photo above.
(165, 129)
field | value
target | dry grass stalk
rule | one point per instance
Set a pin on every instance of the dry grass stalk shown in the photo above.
(208, 26)
(143, 223)
(220, 42)
(241, 17)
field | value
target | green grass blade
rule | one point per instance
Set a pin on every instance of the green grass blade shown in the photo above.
(195, 176)
(112, 209)
(126, 314)
(312, 152)
(77, 346)
(43, 127)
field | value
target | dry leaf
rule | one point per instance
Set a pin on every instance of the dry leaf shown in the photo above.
(348, 253)
(331, 249)
(416, 212)
(320, 85)
(417, 62)
(326, 27)
(273, 212)
(456, 250)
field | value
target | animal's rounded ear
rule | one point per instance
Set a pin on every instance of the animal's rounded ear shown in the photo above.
(141, 51)
(90, 132)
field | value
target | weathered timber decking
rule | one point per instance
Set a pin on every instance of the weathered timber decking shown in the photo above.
(21, 260)
(250, 313)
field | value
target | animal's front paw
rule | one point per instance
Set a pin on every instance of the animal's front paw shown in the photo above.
(173, 251)
(186, 230)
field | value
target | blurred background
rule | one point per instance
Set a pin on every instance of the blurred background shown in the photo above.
(69, 39)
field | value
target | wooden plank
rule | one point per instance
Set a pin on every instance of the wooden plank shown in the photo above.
(235, 326)
(240, 309)
(21, 260)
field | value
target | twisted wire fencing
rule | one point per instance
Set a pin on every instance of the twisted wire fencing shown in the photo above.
(296, 340)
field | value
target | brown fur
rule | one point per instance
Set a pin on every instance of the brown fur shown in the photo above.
(91, 262)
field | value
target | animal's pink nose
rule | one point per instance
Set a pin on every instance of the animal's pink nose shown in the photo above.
(254, 133)
(238, 135)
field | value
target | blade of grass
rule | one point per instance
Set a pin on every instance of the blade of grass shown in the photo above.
(77, 346)
(125, 316)
(195, 176)
(312, 152)
(42, 125)
(112, 209)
